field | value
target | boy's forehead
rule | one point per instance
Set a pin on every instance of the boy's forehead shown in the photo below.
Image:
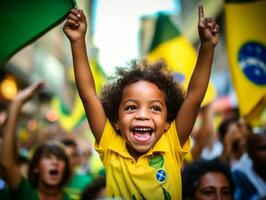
(142, 85)
(142, 88)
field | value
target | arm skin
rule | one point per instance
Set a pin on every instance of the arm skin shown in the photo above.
(205, 132)
(186, 117)
(9, 153)
(75, 29)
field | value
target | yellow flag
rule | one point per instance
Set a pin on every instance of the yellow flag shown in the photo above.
(67, 118)
(98, 75)
(71, 118)
(246, 40)
(168, 43)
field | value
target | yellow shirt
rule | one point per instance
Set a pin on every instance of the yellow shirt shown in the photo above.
(155, 175)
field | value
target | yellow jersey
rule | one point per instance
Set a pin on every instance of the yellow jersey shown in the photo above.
(155, 175)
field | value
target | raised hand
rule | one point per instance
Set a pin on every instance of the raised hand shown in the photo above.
(76, 25)
(29, 92)
(208, 29)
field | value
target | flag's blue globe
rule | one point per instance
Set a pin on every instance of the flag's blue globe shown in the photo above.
(252, 60)
(161, 175)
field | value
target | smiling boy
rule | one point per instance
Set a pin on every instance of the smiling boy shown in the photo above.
(143, 120)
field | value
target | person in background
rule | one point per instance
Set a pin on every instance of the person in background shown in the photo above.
(49, 167)
(233, 134)
(78, 181)
(4, 191)
(207, 180)
(206, 144)
(96, 190)
(249, 173)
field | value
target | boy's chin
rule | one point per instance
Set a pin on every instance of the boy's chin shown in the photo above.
(138, 150)
(142, 149)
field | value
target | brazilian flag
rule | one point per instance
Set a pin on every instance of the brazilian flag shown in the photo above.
(23, 21)
(246, 47)
(169, 43)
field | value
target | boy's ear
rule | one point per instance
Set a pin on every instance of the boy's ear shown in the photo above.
(117, 126)
(166, 126)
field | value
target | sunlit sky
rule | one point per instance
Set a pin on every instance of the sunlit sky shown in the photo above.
(117, 25)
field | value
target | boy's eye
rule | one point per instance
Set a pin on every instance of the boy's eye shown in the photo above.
(130, 107)
(156, 108)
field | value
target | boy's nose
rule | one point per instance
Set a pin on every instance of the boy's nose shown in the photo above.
(143, 114)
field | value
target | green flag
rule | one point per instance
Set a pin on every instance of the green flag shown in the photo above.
(23, 21)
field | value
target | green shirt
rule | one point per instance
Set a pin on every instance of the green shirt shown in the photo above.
(26, 191)
(5, 194)
(76, 185)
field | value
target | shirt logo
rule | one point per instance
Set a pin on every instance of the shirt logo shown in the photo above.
(161, 175)
(156, 161)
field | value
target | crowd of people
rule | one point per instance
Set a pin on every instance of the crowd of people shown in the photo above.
(144, 131)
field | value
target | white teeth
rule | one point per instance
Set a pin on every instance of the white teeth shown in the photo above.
(142, 129)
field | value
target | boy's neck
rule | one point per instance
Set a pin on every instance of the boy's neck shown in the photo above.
(134, 153)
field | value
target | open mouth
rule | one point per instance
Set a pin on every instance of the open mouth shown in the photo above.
(53, 172)
(142, 134)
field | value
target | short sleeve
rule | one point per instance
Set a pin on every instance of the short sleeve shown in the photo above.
(175, 143)
(107, 136)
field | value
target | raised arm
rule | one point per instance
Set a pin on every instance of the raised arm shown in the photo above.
(9, 152)
(205, 133)
(75, 29)
(209, 36)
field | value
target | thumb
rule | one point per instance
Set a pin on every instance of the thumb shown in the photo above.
(83, 17)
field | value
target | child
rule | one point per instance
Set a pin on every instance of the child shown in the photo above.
(49, 167)
(143, 124)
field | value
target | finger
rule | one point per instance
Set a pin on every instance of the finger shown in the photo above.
(71, 23)
(39, 85)
(210, 26)
(200, 12)
(74, 11)
(73, 17)
(208, 21)
(83, 18)
(216, 28)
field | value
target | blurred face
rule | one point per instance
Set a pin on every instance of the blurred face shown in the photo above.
(257, 150)
(73, 155)
(236, 133)
(142, 116)
(51, 170)
(213, 186)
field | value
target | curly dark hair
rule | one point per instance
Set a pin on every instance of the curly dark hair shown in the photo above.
(193, 172)
(92, 190)
(137, 70)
